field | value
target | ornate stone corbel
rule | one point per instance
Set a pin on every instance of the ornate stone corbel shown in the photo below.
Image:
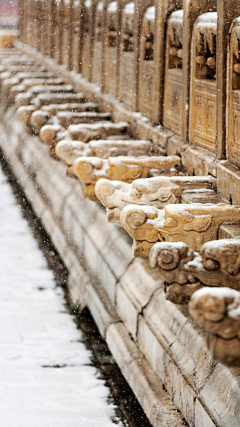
(193, 224)
(157, 191)
(68, 118)
(217, 311)
(16, 79)
(184, 270)
(46, 115)
(38, 118)
(85, 132)
(10, 82)
(51, 134)
(24, 114)
(65, 118)
(121, 147)
(20, 64)
(26, 98)
(58, 98)
(28, 84)
(91, 169)
(69, 150)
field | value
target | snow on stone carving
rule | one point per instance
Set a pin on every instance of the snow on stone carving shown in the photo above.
(184, 270)
(217, 311)
(156, 191)
(90, 169)
(194, 224)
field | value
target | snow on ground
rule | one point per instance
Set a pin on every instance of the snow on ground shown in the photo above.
(37, 332)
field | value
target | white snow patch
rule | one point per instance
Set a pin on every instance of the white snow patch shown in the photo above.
(35, 331)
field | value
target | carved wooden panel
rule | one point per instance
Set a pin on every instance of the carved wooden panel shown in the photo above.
(203, 83)
(173, 85)
(146, 63)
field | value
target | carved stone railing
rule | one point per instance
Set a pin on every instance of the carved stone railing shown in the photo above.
(98, 45)
(172, 113)
(203, 79)
(233, 139)
(87, 37)
(154, 211)
(128, 76)
(146, 67)
(113, 23)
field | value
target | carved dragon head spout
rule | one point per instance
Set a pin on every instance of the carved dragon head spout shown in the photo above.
(116, 195)
(172, 261)
(122, 168)
(109, 193)
(223, 256)
(193, 224)
(217, 311)
(68, 150)
(185, 271)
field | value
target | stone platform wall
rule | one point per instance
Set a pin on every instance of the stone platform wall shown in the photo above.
(159, 350)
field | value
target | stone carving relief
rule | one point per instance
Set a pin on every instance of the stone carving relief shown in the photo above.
(203, 81)
(146, 66)
(69, 150)
(66, 118)
(48, 114)
(184, 270)
(26, 98)
(90, 169)
(50, 105)
(156, 191)
(173, 92)
(193, 224)
(85, 132)
(9, 83)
